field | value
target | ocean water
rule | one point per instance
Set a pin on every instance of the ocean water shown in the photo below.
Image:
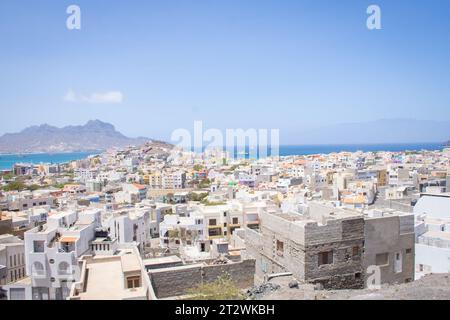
(7, 161)
(323, 149)
(289, 150)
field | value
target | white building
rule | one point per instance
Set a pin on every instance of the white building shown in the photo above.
(432, 213)
(173, 180)
(51, 254)
(12, 259)
(130, 225)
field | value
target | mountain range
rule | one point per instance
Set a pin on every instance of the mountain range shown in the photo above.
(94, 135)
(373, 132)
(97, 135)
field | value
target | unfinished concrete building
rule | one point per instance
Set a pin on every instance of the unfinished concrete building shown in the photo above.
(389, 244)
(332, 246)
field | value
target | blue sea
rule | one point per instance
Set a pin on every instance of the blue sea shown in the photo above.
(323, 149)
(7, 161)
(289, 150)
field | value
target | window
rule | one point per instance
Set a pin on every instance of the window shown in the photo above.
(382, 259)
(214, 232)
(63, 268)
(38, 269)
(133, 282)
(325, 258)
(224, 224)
(280, 248)
(212, 222)
(225, 214)
(355, 251)
(235, 221)
(408, 251)
(398, 263)
(38, 246)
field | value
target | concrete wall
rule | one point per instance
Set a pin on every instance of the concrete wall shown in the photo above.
(177, 281)
(392, 235)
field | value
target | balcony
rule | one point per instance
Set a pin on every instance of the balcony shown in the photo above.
(38, 270)
(215, 232)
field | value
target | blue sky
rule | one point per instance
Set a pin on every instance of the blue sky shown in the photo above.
(149, 67)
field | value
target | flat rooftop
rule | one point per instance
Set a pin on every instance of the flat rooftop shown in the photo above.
(436, 235)
(130, 263)
(162, 260)
(105, 280)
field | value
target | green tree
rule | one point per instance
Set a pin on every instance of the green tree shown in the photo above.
(14, 186)
(7, 176)
(198, 167)
(33, 187)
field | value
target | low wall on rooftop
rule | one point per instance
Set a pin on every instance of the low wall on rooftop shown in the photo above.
(177, 281)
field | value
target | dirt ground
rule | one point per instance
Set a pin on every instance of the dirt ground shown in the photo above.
(430, 287)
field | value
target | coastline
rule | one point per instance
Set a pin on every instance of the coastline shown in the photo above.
(50, 153)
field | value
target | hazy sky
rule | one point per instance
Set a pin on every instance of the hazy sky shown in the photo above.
(149, 67)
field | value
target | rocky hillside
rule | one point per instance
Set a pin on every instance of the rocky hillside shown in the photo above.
(430, 287)
(94, 135)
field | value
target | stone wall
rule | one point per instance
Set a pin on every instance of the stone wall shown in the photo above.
(177, 281)
(289, 246)
(345, 239)
(5, 226)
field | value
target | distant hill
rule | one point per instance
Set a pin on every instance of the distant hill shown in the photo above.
(379, 131)
(94, 135)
